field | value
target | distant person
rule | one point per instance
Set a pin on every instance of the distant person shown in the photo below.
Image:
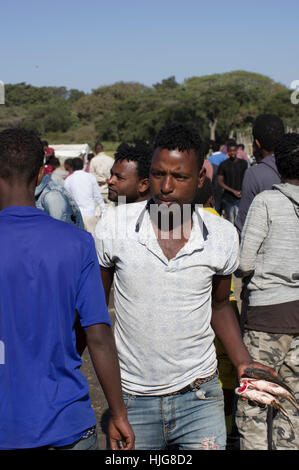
(49, 275)
(130, 173)
(215, 159)
(90, 156)
(270, 256)
(59, 174)
(230, 177)
(267, 131)
(241, 152)
(54, 200)
(68, 166)
(84, 189)
(100, 167)
(216, 156)
(49, 151)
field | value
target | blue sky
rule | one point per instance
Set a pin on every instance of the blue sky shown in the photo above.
(89, 43)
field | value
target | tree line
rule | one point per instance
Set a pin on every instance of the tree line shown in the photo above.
(218, 105)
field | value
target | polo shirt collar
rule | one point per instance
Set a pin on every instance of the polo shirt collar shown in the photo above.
(147, 236)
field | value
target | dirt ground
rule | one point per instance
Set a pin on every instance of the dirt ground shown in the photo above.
(97, 397)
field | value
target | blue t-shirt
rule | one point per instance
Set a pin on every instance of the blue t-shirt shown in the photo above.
(217, 158)
(48, 270)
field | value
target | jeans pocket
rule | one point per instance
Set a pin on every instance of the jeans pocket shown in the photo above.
(127, 400)
(210, 391)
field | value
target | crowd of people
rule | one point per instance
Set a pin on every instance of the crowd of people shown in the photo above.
(169, 227)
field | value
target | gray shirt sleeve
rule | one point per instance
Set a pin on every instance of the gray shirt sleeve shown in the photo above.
(249, 191)
(254, 232)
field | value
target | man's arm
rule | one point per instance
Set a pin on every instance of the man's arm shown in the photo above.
(249, 191)
(107, 281)
(103, 354)
(254, 232)
(227, 329)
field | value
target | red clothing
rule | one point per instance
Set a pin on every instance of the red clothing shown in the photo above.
(48, 169)
(209, 169)
(49, 151)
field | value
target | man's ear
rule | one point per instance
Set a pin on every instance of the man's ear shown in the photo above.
(40, 175)
(143, 185)
(258, 143)
(201, 177)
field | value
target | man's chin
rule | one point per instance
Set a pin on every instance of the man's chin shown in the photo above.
(112, 196)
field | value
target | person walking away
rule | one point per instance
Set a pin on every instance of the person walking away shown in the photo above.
(267, 131)
(45, 285)
(85, 191)
(100, 167)
(270, 256)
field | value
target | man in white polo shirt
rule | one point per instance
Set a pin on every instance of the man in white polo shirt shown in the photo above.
(172, 277)
(85, 190)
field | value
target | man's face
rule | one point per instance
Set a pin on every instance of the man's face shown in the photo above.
(232, 151)
(174, 177)
(123, 181)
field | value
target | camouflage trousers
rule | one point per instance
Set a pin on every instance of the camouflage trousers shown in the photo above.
(280, 351)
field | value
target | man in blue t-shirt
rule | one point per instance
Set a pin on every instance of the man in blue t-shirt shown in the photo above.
(44, 398)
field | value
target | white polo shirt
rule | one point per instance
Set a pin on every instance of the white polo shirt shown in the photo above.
(163, 307)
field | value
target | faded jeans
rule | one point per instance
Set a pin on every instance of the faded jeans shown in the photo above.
(190, 421)
(231, 209)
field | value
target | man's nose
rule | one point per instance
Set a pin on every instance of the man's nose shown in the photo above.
(167, 185)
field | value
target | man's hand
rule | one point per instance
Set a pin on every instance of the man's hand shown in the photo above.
(237, 193)
(120, 431)
(241, 368)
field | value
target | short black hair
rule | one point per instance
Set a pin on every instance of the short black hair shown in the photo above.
(54, 162)
(77, 163)
(215, 146)
(231, 143)
(21, 155)
(287, 156)
(68, 161)
(141, 153)
(99, 144)
(205, 192)
(182, 137)
(268, 130)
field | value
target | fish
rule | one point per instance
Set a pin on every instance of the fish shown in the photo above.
(261, 374)
(263, 398)
(270, 387)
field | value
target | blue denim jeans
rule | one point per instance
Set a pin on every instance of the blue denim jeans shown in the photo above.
(231, 209)
(86, 443)
(190, 421)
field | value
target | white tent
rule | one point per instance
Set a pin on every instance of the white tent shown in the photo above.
(64, 151)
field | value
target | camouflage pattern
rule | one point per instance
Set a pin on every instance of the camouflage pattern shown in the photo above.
(280, 351)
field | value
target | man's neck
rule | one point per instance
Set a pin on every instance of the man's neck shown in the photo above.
(266, 153)
(289, 181)
(16, 194)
